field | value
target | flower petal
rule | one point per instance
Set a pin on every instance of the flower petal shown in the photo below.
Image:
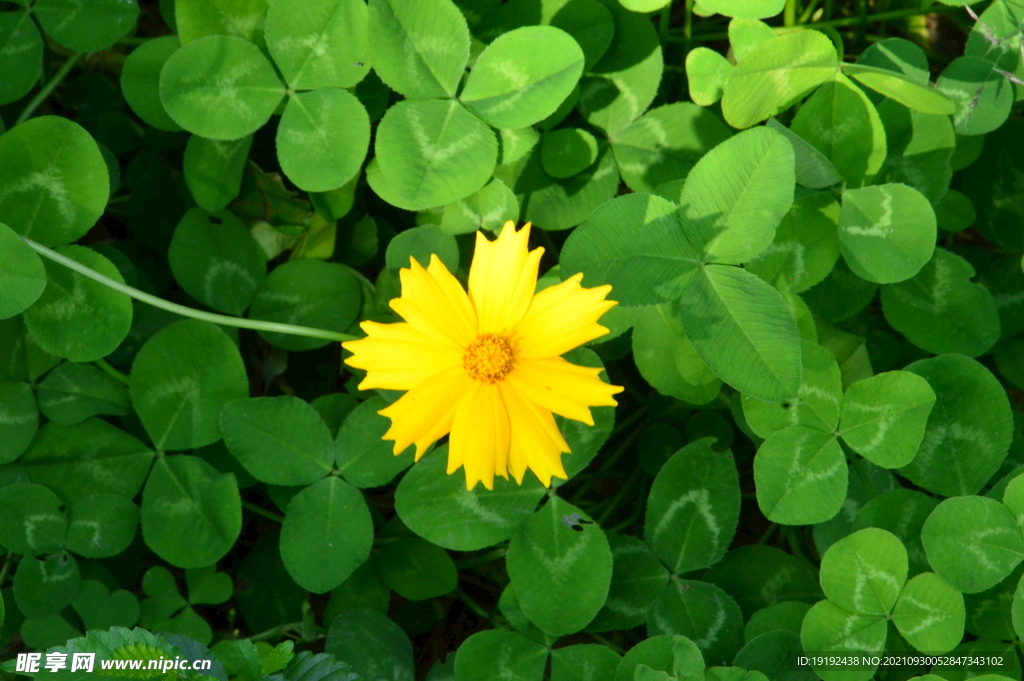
(480, 435)
(562, 317)
(565, 388)
(502, 278)
(434, 302)
(398, 357)
(424, 414)
(536, 442)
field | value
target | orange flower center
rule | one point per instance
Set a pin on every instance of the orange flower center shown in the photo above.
(489, 359)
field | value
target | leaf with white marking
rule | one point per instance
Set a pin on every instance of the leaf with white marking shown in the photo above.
(703, 613)
(865, 571)
(800, 474)
(638, 578)
(87, 26)
(19, 419)
(885, 416)
(886, 232)
(828, 628)
(930, 614)
(319, 43)
(903, 512)
(693, 508)
(32, 519)
(972, 542)
(561, 576)
(497, 654)
(439, 508)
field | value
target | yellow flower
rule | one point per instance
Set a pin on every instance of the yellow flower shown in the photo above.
(485, 367)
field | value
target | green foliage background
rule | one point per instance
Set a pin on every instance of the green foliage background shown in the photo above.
(811, 213)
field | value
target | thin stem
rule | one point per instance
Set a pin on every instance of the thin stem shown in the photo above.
(768, 533)
(111, 371)
(253, 324)
(484, 559)
(259, 510)
(789, 13)
(620, 497)
(7, 566)
(279, 630)
(50, 86)
(665, 19)
(603, 640)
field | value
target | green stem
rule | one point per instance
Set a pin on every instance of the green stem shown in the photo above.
(253, 324)
(280, 630)
(665, 19)
(789, 13)
(111, 371)
(484, 559)
(41, 96)
(603, 640)
(259, 510)
(620, 497)
(768, 533)
(7, 566)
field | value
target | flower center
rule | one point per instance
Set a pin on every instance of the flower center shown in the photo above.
(488, 359)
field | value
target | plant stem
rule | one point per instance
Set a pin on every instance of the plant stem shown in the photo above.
(7, 566)
(239, 322)
(768, 533)
(605, 642)
(259, 510)
(275, 631)
(111, 371)
(50, 86)
(789, 13)
(665, 19)
(484, 559)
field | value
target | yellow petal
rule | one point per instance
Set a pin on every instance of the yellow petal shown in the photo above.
(424, 414)
(562, 317)
(536, 442)
(502, 278)
(562, 387)
(398, 357)
(435, 304)
(480, 435)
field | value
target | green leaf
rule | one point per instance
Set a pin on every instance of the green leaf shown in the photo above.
(921, 147)
(208, 586)
(86, 458)
(625, 81)
(102, 525)
(100, 609)
(73, 392)
(44, 587)
(522, 77)
(896, 55)
(656, 652)
(885, 417)
(140, 81)
(191, 514)
(902, 512)
(841, 122)
(320, 44)
(840, 295)
(806, 244)
(430, 153)
(828, 628)
(220, 87)
(373, 645)
(182, 378)
(76, 317)
(323, 138)
(745, 9)
(955, 212)
(816, 404)
(584, 662)
(983, 96)
(561, 577)
(693, 508)
(706, 73)
(775, 74)
(800, 475)
(746, 34)
(421, 243)
(86, 27)
(757, 576)
(702, 612)
(784, 616)
(930, 614)
(743, 329)
(216, 260)
(865, 572)
(279, 440)
(901, 88)
(666, 358)
(418, 47)
(635, 243)
(567, 151)
(969, 428)
(438, 507)
(213, 170)
(307, 292)
(198, 18)
(416, 569)
(54, 182)
(21, 56)
(665, 143)
(737, 195)
(500, 654)
(638, 578)
(19, 419)
(327, 533)
(32, 521)
(813, 169)
(364, 458)
(972, 542)
(489, 209)
(886, 232)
